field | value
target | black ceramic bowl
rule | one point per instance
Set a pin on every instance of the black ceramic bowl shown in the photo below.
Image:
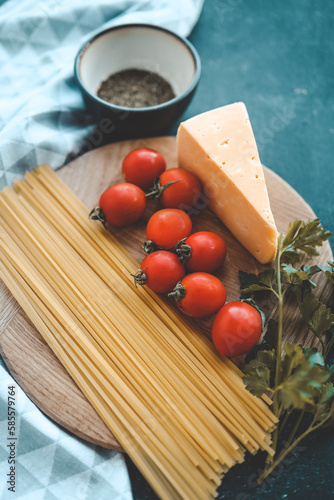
(143, 47)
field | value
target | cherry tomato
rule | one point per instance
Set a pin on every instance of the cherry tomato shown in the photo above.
(184, 193)
(199, 295)
(142, 166)
(160, 271)
(203, 251)
(168, 226)
(121, 205)
(236, 328)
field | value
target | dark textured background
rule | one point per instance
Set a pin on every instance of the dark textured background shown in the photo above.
(277, 57)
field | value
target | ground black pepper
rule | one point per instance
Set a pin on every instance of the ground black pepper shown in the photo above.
(135, 88)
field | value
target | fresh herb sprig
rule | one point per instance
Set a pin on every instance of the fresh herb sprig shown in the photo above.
(298, 379)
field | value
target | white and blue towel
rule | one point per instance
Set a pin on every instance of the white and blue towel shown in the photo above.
(42, 114)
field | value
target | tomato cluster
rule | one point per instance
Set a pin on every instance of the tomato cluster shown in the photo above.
(198, 294)
(173, 250)
(144, 169)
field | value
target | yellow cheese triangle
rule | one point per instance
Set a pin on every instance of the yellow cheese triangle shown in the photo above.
(220, 149)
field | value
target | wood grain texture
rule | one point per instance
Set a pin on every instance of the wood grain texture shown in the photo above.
(32, 362)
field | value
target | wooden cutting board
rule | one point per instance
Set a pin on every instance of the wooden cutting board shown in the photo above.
(31, 361)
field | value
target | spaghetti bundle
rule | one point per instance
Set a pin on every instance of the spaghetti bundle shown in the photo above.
(178, 409)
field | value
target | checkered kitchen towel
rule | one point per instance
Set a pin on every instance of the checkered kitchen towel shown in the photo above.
(42, 119)
(42, 115)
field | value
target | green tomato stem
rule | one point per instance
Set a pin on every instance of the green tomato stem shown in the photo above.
(97, 214)
(157, 189)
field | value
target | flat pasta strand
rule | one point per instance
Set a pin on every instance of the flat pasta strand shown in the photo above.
(177, 408)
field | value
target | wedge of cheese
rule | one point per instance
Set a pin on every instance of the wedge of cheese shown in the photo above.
(220, 149)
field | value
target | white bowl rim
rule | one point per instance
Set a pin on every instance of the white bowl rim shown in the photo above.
(189, 46)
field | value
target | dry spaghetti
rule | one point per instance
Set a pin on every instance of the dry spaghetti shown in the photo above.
(177, 408)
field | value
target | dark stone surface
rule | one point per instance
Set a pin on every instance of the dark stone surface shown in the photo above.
(277, 57)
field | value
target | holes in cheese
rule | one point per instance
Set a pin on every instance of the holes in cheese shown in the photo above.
(220, 149)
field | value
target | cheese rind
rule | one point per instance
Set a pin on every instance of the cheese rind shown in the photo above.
(220, 149)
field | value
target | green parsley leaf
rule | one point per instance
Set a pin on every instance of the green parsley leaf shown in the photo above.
(250, 283)
(327, 270)
(246, 279)
(329, 273)
(259, 373)
(304, 237)
(257, 380)
(293, 276)
(314, 356)
(324, 403)
(317, 315)
(311, 270)
(301, 378)
(294, 355)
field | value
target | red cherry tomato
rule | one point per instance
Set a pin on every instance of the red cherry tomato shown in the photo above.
(142, 166)
(168, 226)
(160, 271)
(200, 294)
(182, 194)
(122, 204)
(236, 328)
(207, 252)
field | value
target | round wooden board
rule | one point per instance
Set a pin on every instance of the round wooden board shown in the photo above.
(31, 361)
